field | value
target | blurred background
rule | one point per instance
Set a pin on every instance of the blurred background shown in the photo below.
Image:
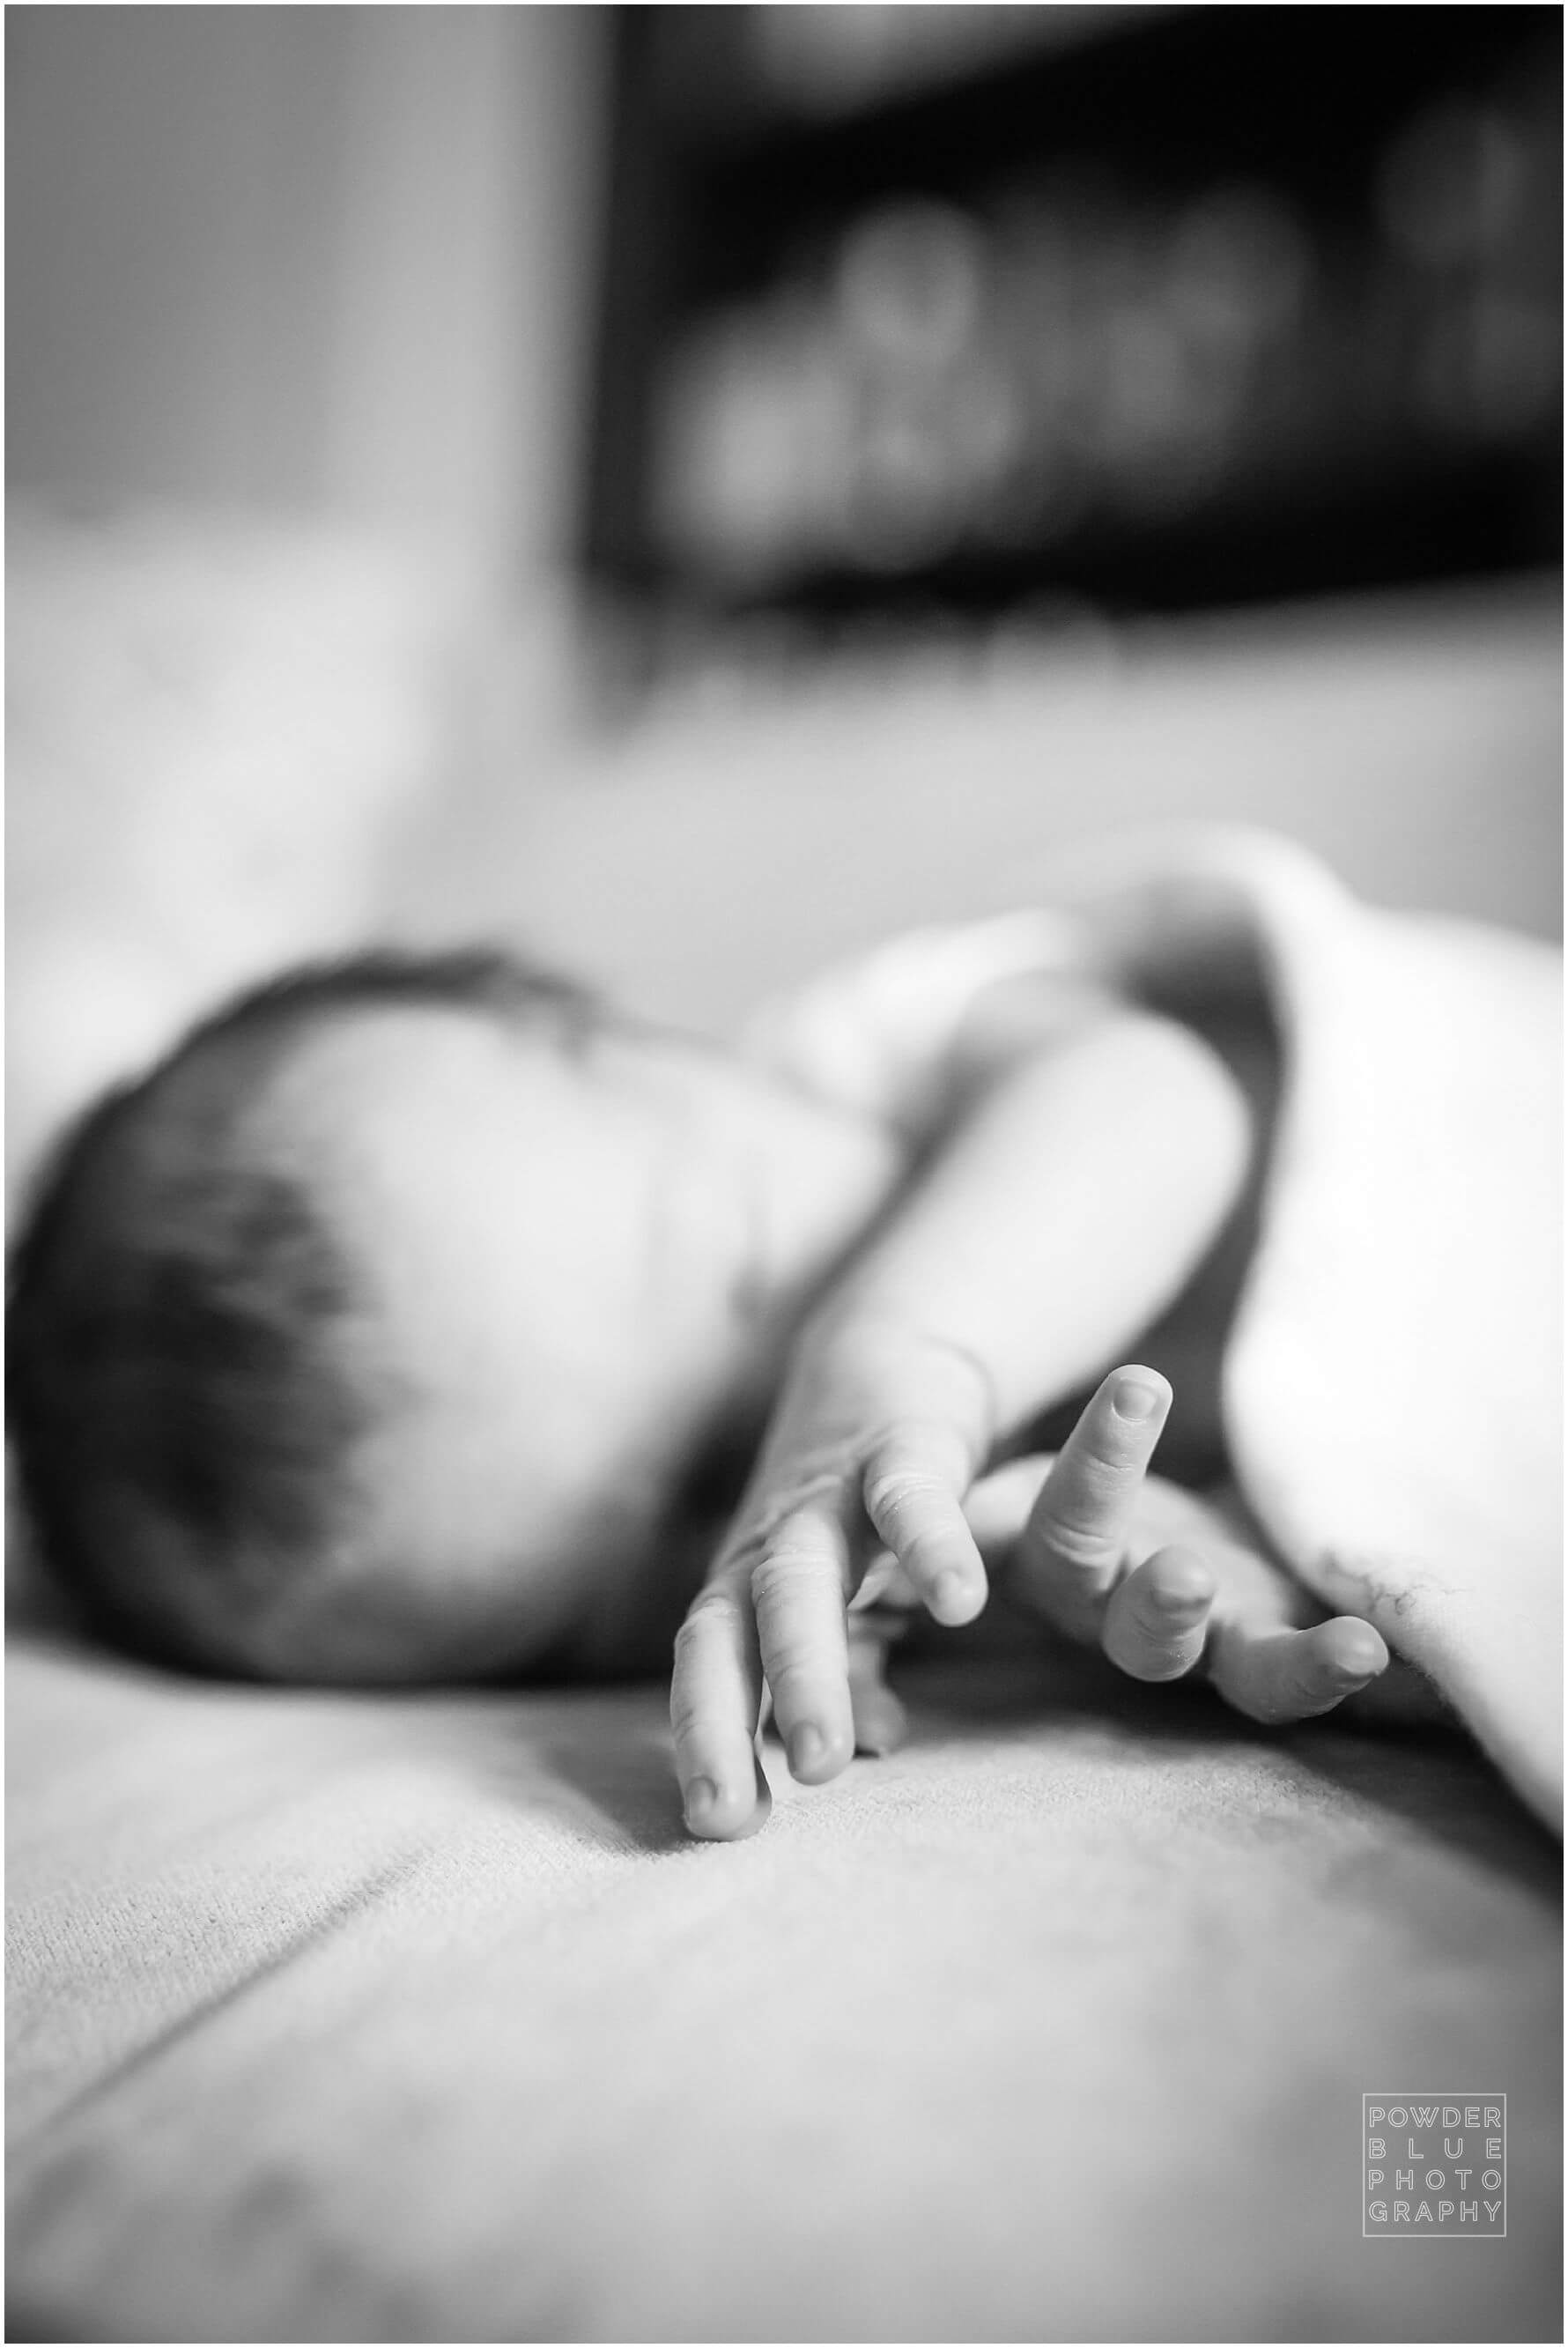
(701, 487)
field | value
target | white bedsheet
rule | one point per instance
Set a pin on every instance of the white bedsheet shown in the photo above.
(370, 2018)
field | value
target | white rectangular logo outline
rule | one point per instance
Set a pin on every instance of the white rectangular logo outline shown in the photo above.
(1429, 2233)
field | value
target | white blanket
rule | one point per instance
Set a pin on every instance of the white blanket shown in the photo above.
(370, 2018)
(1393, 1391)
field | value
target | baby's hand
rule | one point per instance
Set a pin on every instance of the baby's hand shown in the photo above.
(1108, 1556)
(1157, 1579)
(876, 1441)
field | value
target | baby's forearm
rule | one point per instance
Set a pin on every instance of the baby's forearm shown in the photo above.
(1064, 1213)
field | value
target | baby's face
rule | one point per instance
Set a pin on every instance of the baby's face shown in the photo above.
(574, 1260)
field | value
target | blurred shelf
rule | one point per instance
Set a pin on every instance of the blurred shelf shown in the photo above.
(1431, 523)
(1163, 306)
(796, 72)
(839, 61)
(1284, 91)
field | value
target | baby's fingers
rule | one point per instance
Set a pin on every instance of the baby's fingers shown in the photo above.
(1277, 1675)
(913, 1489)
(715, 1702)
(799, 1585)
(1073, 1546)
(881, 1722)
(1156, 1619)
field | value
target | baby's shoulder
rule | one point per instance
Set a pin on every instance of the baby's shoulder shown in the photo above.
(879, 1032)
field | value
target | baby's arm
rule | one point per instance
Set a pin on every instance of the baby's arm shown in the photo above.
(1067, 1208)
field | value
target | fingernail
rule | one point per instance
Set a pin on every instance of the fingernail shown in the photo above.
(1183, 1588)
(1358, 1659)
(1137, 1401)
(702, 1801)
(806, 1747)
(1180, 1602)
(951, 1591)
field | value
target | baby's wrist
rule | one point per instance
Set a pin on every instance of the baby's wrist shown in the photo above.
(872, 1351)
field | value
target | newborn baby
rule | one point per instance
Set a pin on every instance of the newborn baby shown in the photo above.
(418, 1318)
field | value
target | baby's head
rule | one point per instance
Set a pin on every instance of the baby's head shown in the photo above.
(365, 1336)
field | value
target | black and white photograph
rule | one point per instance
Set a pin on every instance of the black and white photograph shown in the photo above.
(784, 1173)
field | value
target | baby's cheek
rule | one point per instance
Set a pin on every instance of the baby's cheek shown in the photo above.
(518, 1511)
(519, 1599)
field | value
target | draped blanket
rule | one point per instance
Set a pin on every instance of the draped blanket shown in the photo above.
(1392, 1392)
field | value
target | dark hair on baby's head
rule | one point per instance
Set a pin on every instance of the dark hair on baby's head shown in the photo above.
(181, 1397)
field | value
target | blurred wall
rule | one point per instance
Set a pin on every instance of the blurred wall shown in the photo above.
(322, 268)
(320, 259)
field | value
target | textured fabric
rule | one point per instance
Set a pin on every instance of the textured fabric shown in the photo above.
(374, 2018)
